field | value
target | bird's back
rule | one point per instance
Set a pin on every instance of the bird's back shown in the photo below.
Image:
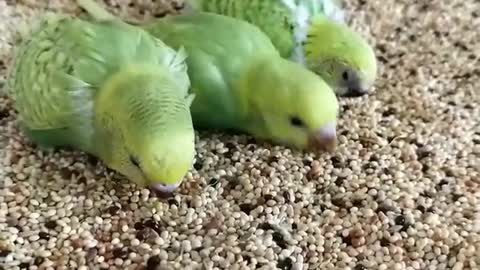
(59, 67)
(218, 50)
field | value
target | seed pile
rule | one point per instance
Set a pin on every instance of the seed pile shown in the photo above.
(401, 192)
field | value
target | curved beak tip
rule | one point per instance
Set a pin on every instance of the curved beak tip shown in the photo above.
(324, 139)
(356, 92)
(327, 145)
(164, 189)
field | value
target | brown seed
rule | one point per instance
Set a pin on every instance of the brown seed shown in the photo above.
(279, 239)
(66, 173)
(315, 172)
(51, 224)
(247, 207)
(214, 223)
(113, 210)
(357, 242)
(153, 262)
(121, 252)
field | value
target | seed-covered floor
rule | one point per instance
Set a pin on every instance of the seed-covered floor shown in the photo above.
(401, 192)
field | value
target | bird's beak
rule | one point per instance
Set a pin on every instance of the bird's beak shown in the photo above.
(356, 92)
(324, 139)
(164, 189)
(356, 88)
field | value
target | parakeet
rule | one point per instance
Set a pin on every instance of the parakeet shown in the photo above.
(241, 82)
(313, 33)
(108, 89)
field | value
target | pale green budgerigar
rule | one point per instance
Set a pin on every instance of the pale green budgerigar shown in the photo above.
(311, 32)
(108, 89)
(241, 82)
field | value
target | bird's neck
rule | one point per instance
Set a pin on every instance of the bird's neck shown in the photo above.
(252, 90)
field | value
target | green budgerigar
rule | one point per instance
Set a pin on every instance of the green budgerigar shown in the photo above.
(108, 89)
(311, 32)
(241, 82)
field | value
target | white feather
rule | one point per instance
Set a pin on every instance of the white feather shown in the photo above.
(301, 24)
(302, 11)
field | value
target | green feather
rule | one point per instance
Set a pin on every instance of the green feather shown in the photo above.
(298, 31)
(240, 80)
(59, 67)
(109, 89)
(215, 63)
(272, 17)
(281, 20)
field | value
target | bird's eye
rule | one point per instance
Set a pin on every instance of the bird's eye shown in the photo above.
(134, 161)
(345, 75)
(296, 121)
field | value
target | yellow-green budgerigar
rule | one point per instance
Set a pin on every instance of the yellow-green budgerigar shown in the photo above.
(109, 89)
(241, 82)
(310, 32)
